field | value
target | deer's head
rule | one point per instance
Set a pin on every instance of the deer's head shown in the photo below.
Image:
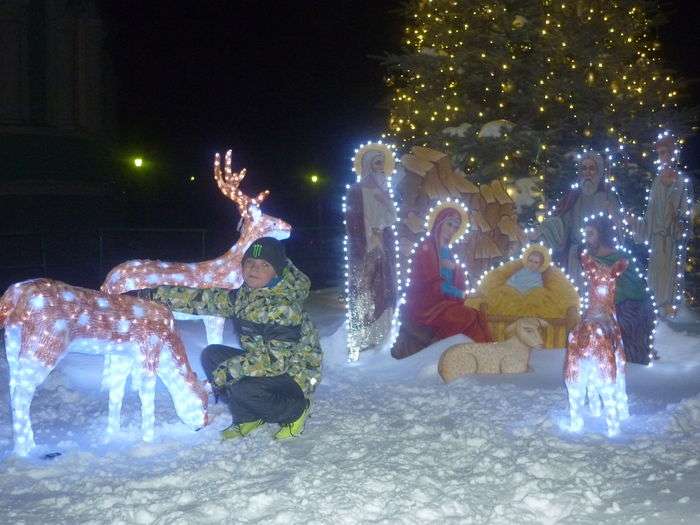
(602, 281)
(191, 402)
(254, 223)
(257, 224)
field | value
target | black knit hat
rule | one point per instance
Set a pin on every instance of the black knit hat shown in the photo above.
(268, 249)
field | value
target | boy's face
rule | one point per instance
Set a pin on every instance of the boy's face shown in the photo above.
(257, 272)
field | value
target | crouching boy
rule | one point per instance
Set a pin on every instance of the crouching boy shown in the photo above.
(270, 379)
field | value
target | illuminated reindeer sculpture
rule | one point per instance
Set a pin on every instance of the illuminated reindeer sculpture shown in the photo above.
(46, 319)
(595, 360)
(222, 272)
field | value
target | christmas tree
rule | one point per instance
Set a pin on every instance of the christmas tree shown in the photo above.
(511, 88)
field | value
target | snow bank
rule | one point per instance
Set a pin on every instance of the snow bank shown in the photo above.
(387, 442)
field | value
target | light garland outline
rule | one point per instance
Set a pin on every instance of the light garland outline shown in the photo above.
(449, 202)
(632, 264)
(680, 249)
(389, 150)
(46, 319)
(611, 162)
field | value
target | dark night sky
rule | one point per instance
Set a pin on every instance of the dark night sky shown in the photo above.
(290, 89)
(289, 86)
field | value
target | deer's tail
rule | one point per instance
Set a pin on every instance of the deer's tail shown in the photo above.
(8, 302)
(111, 282)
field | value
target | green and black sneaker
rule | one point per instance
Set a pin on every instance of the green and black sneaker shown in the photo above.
(239, 430)
(295, 428)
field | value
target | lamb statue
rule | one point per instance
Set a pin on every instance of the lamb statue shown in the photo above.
(511, 356)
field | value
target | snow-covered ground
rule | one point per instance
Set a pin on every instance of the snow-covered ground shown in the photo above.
(387, 443)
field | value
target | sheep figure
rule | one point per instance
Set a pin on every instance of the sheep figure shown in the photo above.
(504, 357)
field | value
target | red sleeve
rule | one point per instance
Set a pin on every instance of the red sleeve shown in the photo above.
(425, 276)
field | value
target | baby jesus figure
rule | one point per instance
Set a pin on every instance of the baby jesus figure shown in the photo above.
(529, 276)
(530, 286)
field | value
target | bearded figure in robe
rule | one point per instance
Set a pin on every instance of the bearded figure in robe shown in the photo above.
(370, 216)
(663, 225)
(591, 195)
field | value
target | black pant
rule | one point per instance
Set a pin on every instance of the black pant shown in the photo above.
(274, 399)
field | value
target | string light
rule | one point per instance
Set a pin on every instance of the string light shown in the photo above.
(685, 217)
(533, 67)
(46, 319)
(222, 272)
(594, 365)
(486, 273)
(633, 264)
(428, 221)
(356, 329)
(611, 156)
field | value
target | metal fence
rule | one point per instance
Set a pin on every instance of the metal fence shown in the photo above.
(84, 257)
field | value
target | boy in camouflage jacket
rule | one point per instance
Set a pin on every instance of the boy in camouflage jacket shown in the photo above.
(270, 380)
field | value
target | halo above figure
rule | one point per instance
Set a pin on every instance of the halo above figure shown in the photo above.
(543, 251)
(365, 155)
(440, 213)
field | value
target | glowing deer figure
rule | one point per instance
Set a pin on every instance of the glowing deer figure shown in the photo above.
(595, 360)
(45, 319)
(222, 272)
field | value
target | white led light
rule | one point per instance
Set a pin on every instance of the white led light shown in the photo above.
(222, 272)
(357, 329)
(38, 339)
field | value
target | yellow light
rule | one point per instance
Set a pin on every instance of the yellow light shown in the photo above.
(138, 162)
(314, 179)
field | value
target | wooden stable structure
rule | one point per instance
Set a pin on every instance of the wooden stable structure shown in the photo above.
(429, 176)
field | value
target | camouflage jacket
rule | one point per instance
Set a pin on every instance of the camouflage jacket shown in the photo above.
(263, 312)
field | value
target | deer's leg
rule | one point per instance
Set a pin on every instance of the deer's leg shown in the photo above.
(612, 418)
(147, 393)
(215, 329)
(594, 402)
(621, 400)
(116, 372)
(621, 390)
(13, 342)
(26, 375)
(577, 393)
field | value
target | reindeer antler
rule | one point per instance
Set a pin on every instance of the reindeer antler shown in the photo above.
(229, 183)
